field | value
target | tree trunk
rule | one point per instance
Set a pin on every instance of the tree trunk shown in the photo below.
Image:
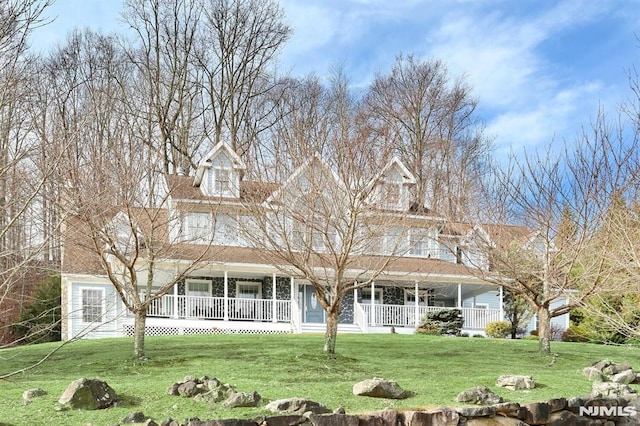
(331, 332)
(138, 333)
(544, 330)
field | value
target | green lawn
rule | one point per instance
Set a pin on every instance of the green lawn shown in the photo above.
(284, 366)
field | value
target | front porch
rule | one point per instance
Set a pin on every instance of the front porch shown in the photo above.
(183, 314)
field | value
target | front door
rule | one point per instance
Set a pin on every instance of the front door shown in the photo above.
(313, 311)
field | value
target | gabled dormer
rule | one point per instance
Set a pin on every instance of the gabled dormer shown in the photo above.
(219, 172)
(391, 188)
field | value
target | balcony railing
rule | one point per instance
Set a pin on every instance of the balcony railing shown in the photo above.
(213, 308)
(410, 316)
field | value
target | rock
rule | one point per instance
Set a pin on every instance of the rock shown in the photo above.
(137, 417)
(189, 389)
(495, 421)
(563, 418)
(383, 418)
(537, 413)
(225, 422)
(444, 417)
(297, 406)
(380, 388)
(516, 382)
(284, 420)
(242, 399)
(479, 395)
(557, 404)
(33, 393)
(332, 419)
(593, 373)
(507, 407)
(613, 368)
(486, 411)
(88, 394)
(609, 389)
(173, 389)
(339, 410)
(625, 377)
(600, 365)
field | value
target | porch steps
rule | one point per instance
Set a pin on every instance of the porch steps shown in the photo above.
(308, 327)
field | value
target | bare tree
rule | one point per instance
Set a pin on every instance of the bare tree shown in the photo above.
(21, 183)
(328, 223)
(431, 117)
(563, 198)
(168, 106)
(240, 42)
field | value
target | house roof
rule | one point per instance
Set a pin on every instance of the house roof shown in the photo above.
(80, 256)
(181, 188)
(499, 235)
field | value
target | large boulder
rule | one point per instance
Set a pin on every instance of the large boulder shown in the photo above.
(242, 399)
(610, 389)
(297, 406)
(480, 395)
(88, 394)
(380, 388)
(516, 382)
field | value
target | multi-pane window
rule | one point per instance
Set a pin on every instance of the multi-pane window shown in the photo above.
(198, 227)
(226, 229)
(92, 305)
(365, 296)
(223, 181)
(248, 290)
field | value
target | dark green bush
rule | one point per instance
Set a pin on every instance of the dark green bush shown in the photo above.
(40, 320)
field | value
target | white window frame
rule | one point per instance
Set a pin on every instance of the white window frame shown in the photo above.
(439, 304)
(367, 300)
(190, 281)
(200, 234)
(255, 284)
(422, 293)
(100, 319)
(225, 230)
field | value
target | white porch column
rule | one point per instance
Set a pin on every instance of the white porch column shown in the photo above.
(175, 301)
(226, 296)
(293, 301)
(501, 304)
(417, 309)
(459, 295)
(275, 304)
(355, 302)
(373, 303)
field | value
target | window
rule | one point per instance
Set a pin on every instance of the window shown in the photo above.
(410, 297)
(366, 296)
(92, 305)
(248, 307)
(392, 196)
(198, 227)
(419, 243)
(225, 230)
(248, 290)
(223, 181)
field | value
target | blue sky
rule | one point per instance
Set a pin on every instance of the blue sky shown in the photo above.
(540, 68)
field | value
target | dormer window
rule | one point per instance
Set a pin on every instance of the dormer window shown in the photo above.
(218, 174)
(222, 181)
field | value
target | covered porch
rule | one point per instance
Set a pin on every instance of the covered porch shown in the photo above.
(375, 308)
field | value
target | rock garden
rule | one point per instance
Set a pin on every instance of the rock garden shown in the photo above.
(612, 402)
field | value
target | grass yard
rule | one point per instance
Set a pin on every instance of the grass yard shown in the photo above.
(283, 366)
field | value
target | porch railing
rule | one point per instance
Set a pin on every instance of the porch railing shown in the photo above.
(214, 308)
(405, 315)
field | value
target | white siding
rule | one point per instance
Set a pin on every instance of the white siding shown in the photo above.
(109, 326)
